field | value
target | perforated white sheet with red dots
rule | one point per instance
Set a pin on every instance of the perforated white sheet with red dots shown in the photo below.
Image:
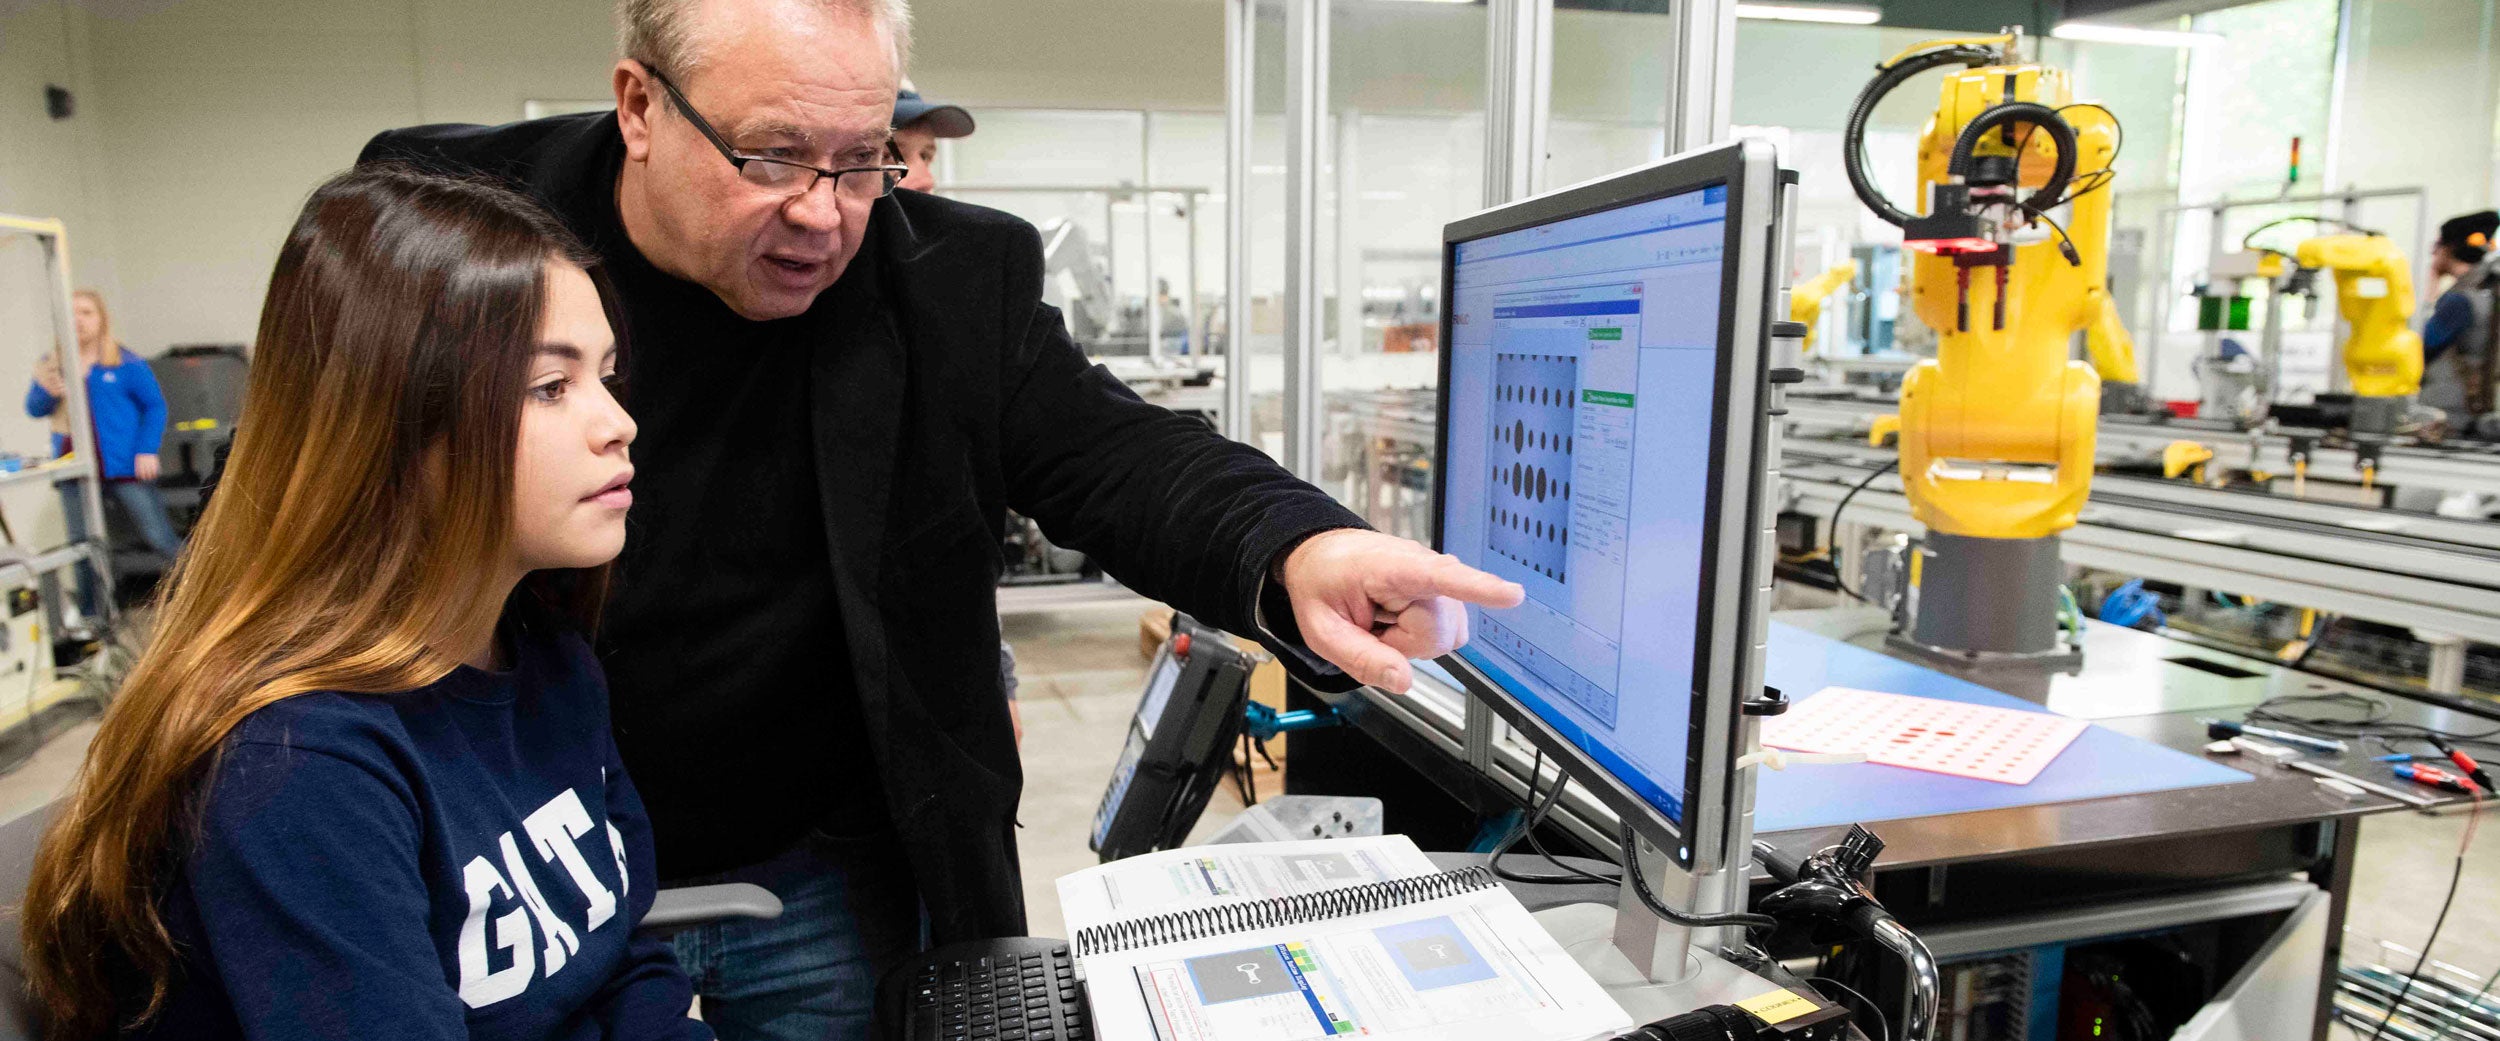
(1946, 737)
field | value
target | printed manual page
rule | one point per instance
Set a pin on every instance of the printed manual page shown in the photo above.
(1451, 969)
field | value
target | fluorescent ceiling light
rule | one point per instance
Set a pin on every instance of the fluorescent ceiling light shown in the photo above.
(2090, 33)
(1810, 13)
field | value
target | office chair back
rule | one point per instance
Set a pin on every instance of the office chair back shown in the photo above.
(18, 839)
(203, 388)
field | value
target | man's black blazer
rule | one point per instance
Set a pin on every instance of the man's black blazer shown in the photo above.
(948, 392)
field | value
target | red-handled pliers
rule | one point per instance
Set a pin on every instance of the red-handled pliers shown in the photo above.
(2464, 763)
(2425, 773)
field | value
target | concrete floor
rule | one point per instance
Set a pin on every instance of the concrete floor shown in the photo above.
(2406, 861)
(1081, 672)
(1079, 675)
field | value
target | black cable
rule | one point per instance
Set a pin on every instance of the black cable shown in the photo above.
(2100, 178)
(2373, 720)
(2067, 247)
(1631, 864)
(1242, 776)
(1264, 757)
(1883, 1023)
(2039, 211)
(2276, 223)
(1853, 133)
(1536, 811)
(2109, 171)
(2436, 924)
(1640, 888)
(2328, 222)
(2042, 117)
(1538, 845)
(1831, 541)
(2317, 638)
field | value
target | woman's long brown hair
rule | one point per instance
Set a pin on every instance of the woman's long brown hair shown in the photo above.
(356, 536)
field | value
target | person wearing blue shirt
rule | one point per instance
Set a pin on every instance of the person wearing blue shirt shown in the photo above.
(129, 414)
(362, 784)
(2456, 337)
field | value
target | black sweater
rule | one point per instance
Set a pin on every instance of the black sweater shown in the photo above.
(940, 392)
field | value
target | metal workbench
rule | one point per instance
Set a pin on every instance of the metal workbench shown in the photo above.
(1985, 880)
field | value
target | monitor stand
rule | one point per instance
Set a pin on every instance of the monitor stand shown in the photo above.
(1588, 933)
(1660, 949)
(1655, 968)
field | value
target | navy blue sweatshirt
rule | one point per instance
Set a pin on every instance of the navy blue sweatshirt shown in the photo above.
(462, 861)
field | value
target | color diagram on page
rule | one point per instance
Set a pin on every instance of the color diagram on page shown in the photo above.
(1430, 977)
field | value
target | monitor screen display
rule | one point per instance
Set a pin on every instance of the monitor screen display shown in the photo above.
(1583, 375)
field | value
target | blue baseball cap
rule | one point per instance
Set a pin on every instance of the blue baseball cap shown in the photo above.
(943, 119)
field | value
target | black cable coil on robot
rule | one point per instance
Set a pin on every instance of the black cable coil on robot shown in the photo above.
(2061, 133)
(1853, 135)
(2049, 120)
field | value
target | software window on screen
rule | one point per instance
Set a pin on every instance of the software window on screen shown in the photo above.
(1583, 366)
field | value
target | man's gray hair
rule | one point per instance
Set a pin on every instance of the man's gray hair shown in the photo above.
(661, 34)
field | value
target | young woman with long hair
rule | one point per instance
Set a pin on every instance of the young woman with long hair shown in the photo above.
(362, 785)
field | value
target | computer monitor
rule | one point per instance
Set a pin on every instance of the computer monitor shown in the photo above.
(1603, 444)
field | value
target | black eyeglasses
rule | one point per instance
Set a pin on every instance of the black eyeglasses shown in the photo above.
(783, 177)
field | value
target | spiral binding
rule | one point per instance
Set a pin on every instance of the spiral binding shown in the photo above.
(1222, 919)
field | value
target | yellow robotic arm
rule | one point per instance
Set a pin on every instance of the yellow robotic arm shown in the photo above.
(2374, 292)
(1805, 299)
(1997, 431)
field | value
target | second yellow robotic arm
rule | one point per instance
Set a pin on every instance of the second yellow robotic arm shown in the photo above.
(1805, 299)
(2374, 292)
(2111, 349)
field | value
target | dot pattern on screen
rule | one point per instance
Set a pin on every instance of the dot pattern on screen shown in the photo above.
(1535, 403)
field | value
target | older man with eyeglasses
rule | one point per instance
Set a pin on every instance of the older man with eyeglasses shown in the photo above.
(841, 390)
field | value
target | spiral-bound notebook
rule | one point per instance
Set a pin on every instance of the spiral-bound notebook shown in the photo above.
(1351, 937)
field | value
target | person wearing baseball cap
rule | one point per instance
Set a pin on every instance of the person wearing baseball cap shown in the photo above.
(918, 124)
(2456, 338)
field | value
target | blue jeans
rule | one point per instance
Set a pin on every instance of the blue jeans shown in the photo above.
(849, 912)
(146, 507)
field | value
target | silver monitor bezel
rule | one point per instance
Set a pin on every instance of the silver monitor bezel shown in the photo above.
(1732, 617)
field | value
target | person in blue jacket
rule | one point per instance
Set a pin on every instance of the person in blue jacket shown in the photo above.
(362, 783)
(129, 414)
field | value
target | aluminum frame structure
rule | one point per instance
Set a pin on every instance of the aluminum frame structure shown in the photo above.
(52, 237)
(1519, 49)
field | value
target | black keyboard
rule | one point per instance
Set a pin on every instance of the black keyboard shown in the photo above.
(1021, 989)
